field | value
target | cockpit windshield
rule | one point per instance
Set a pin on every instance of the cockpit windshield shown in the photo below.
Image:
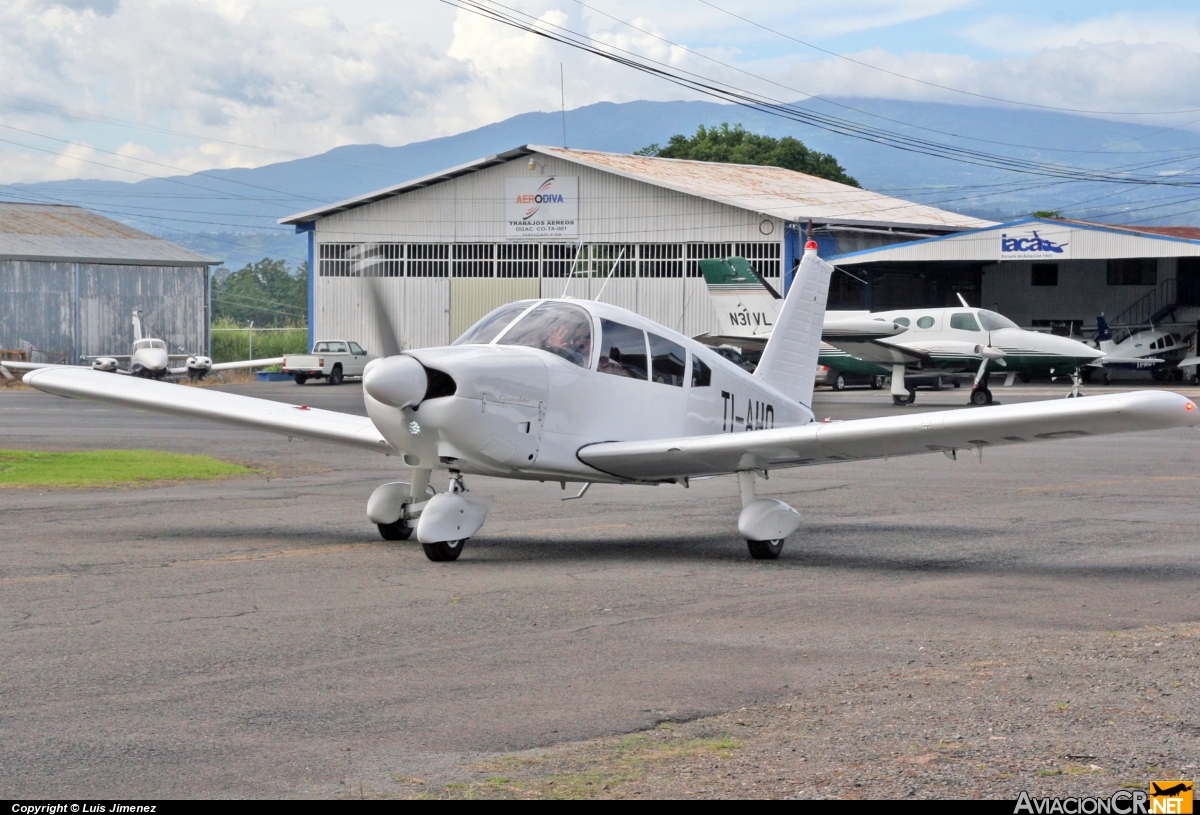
(149, 344)
(555, 327)
(991, 321)
(494, 322)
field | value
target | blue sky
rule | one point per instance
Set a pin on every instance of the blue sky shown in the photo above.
(242, 83)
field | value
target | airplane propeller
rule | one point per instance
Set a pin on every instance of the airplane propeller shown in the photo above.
(389, 338)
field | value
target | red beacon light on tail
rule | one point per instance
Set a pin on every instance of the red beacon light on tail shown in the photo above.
(811, 246)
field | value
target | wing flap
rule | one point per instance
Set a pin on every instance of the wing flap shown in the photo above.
(211, 405)
(819, 443)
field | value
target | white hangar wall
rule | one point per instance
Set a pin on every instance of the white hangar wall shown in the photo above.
(438, 259)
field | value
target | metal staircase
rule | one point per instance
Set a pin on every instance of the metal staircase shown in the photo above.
(1153, 308)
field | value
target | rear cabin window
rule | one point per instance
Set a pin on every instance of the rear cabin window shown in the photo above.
(964, 321)
(494, 322)
(904, 321)
(668, 361)
(925, 322)
(560, 329)
(701, 373)
(622, 350)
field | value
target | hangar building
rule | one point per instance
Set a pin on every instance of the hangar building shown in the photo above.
(543, 221)
(70, 281)
(1040, 272)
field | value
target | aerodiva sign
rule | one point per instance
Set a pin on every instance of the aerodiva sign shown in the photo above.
(1035, 243)
(541, 207)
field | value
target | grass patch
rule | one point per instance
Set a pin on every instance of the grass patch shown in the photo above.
(108, 468)
(595, 772)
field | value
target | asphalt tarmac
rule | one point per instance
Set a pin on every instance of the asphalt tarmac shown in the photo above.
(255, 637)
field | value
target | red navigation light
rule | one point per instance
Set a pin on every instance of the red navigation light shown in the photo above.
(1189, 406)
(303, 407)
(810, 245)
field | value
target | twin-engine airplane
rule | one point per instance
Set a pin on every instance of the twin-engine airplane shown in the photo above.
(572, 390)
(149, 359)
(892, 342)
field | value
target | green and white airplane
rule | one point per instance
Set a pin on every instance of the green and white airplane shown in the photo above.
(896, 342)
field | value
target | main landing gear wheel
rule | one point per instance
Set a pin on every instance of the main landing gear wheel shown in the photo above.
(765, 550)
(300, 379)
(904, 400)
(398, 531)
(981, 397)
(444, 551)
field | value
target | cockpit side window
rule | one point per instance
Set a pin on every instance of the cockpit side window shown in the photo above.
(701, 373)
(158, 344)
(964, 321)
(492, 324)
(994, 322)
(668, 361)
(558, 328)
(140, 344)
(622, 350)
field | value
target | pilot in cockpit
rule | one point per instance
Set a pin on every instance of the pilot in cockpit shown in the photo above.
(572, 342)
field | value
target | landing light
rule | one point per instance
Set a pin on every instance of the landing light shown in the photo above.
(414, 428)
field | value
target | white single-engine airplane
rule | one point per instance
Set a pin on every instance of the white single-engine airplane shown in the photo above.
(149, 359)
(571, 390)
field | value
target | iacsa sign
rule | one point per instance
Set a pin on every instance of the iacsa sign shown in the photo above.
(541, 207)
(1035, 244)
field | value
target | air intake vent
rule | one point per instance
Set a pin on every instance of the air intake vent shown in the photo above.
(440, 384)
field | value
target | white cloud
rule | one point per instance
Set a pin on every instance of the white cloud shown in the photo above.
(308, 77)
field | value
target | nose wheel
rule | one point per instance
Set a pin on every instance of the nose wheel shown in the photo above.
(444, 551)
(981, 397)
(765, 550)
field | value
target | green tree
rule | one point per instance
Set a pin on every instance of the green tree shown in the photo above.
(266, 292)
(1047, 213)
(736, 145)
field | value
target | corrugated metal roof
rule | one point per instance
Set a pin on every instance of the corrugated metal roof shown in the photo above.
(772, 191)
(54, 232)
(1087, 241)
(775, 191)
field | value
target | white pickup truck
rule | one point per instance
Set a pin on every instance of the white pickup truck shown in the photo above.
(330, 359)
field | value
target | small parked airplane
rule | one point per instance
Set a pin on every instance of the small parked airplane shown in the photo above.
(149, 359)
(582, 391)
(1139, 349)
(942, 339)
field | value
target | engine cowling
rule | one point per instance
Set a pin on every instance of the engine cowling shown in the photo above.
(198, 366)
(106, 364)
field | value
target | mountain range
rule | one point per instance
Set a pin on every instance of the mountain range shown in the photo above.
(231, 213)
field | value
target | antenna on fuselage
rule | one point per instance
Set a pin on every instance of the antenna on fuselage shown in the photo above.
(571, 273)
(610, 274)
(962, 300)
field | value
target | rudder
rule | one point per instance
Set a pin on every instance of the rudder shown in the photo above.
(789, 362)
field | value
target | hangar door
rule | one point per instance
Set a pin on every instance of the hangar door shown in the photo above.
(471, 298)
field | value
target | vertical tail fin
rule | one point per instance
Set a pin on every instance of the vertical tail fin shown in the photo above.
(137, 327)
(789, 362)
(1103, 332)
(746, 304)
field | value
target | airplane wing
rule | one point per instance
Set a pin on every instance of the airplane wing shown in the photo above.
(229, 366)
(202, 403)
(125, 357)
(822, 443)
(871, 341)
(1128, 362)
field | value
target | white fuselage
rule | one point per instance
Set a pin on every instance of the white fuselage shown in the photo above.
(149, 358)
(523, 412)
